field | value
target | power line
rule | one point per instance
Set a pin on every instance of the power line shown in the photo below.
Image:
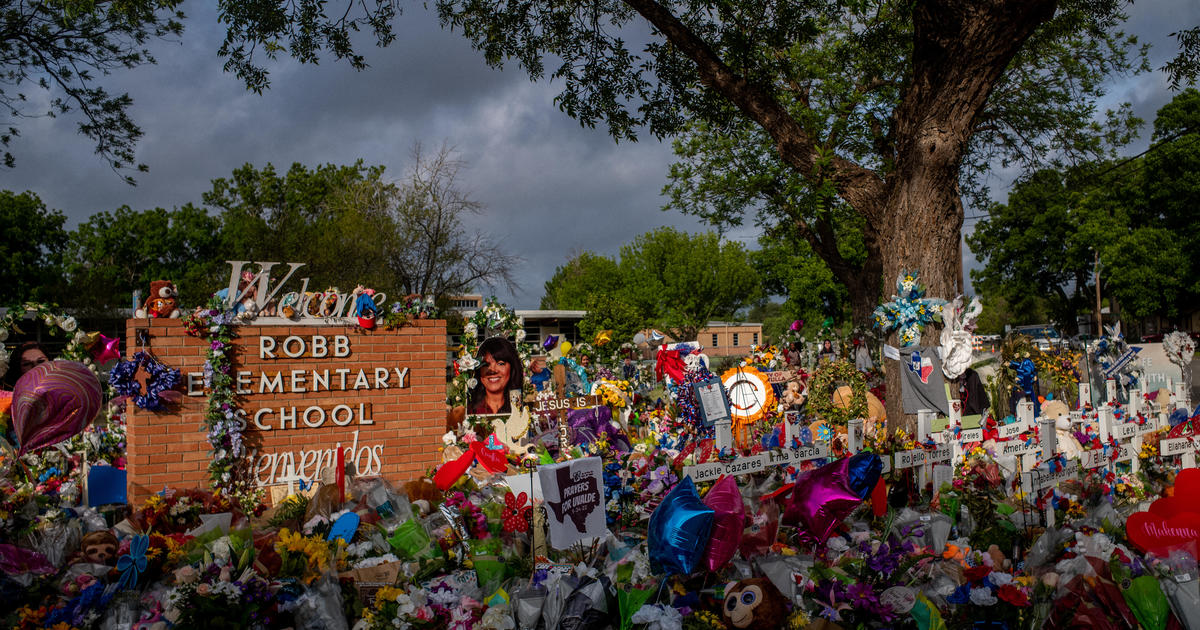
(1153, 147)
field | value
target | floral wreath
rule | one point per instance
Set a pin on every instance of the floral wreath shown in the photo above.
(161, 379)
(909, 311)
(493, 320)
(77, 347)
(823, 385)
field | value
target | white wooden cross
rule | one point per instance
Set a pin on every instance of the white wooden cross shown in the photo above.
(1110, 390)
(1085, 395)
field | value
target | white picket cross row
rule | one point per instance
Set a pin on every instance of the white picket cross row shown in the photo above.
(792, 426)
(925, 418)
(1184, 447)
(1104, 419)
(854, 434)
(1181, 397)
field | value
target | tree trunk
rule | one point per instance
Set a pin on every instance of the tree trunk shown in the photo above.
(960, 50)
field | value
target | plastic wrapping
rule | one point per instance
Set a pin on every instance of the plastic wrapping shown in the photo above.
(557, 590)
(590, 606)
(320, 607)
(527, 605)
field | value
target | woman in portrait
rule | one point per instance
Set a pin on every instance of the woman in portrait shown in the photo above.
(499, 372)
(26, 357)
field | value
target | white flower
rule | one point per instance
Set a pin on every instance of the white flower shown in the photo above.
(68, 323)
(221, 550)
(449, 439)
(1000, 579)
(51, 320)
(520, 335)
(471, 383)
(467, 362)
(470, 330)
(3, 333)
(982, 596)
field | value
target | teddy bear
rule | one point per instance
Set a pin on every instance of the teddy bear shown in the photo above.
(163, 301)
(793, 396)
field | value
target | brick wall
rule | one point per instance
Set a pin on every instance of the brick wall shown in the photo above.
(170, 448)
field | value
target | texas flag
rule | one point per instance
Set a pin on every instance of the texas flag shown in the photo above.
(923, 367)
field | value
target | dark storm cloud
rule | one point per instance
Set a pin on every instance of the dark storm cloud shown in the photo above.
(550, 187)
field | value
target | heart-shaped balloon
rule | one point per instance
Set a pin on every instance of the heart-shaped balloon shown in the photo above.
(1184, 498)
(53, 402)
(1154, 534)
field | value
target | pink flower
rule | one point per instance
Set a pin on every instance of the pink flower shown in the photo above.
(203, 590)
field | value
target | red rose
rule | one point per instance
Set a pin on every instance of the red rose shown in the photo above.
(974, 574)
(1013, 595)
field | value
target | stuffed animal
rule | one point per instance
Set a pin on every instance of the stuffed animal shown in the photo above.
(99, 548)
(793, 397)
(163, 301)
(753, 604)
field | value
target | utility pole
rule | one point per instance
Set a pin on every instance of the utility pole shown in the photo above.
(1099, 315)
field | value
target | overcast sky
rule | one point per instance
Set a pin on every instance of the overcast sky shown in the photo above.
(551, 188)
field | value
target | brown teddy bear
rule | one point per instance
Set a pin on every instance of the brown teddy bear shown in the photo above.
(163, 301)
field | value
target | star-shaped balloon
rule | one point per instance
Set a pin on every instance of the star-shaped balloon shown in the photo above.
(603, 337)
(106, 350)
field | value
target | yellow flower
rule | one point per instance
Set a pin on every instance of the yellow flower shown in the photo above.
(387, 594)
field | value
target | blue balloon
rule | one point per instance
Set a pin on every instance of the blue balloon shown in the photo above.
(679, 529)
(863, 472)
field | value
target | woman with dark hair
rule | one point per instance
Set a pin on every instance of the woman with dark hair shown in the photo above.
(499, 372)
(26, 357)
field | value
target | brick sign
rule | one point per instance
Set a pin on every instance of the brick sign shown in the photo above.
(305, 391)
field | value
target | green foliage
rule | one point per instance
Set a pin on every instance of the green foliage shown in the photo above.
(573, 284)
(61, 48)
(685, 280)
(31, 246)
(665, 278)
(1137, 218)
(307, 215)
(606, 312)
(793, 270)
(114, 253)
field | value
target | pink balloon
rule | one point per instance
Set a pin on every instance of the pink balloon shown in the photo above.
(729, 515)
(53, 402)
(106, 350)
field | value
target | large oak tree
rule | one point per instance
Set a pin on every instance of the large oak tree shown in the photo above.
(885, 139)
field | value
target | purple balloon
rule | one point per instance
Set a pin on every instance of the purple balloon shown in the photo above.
(53, 402)
(729, 516)
(823, 497)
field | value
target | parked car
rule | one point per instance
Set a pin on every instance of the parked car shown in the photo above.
(1044, 336)
(1155, 338)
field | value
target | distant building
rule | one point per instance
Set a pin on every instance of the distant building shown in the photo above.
(718, 338)
(721, 339)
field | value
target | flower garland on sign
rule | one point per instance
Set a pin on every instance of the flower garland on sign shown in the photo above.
(160, 380)
(823, 385)
(909, 311)
(493, 320)
(229, 470)
(75, 350)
